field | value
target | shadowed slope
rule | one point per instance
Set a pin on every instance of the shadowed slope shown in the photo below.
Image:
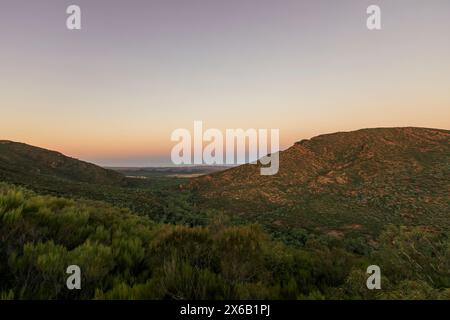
(20, 163)
(344, 181)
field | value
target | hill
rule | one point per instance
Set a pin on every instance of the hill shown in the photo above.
(52, 173)
(340, 202)
(342, 183)
(20, 162)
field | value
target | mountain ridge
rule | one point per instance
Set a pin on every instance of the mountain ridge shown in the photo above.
(356, 181)
(18, 159)
(385, 175)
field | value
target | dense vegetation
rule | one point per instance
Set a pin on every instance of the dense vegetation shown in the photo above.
(126, 256)
(340, 203)
(343, 183)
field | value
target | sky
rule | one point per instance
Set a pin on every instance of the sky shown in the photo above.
(113, 92)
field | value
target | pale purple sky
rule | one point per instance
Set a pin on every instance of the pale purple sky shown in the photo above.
(113, 92)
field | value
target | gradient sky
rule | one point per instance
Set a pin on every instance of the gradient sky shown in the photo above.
(113, 92)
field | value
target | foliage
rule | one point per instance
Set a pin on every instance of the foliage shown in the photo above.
(126, 256)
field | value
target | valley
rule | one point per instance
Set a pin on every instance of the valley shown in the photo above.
(339, 203)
